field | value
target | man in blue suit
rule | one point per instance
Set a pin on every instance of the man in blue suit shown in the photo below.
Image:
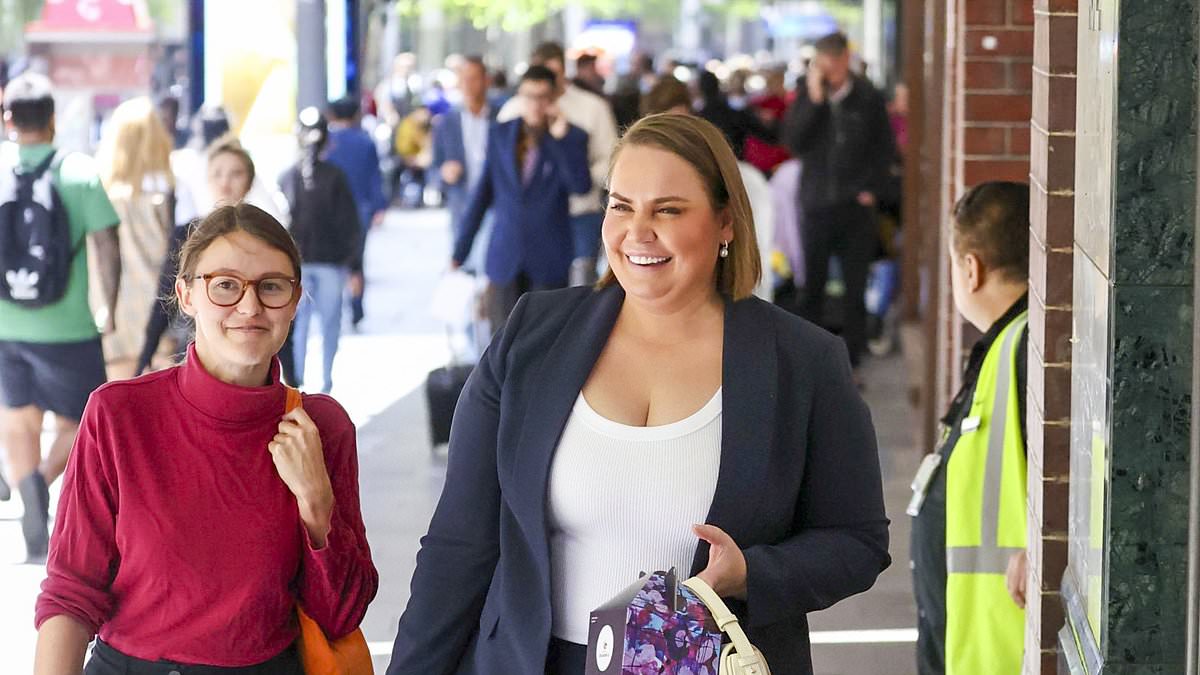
(533, 164)
(460, 137)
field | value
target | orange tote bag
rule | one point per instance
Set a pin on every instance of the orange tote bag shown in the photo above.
(320, 656)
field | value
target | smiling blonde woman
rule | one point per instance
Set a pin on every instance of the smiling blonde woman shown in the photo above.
(603, 424)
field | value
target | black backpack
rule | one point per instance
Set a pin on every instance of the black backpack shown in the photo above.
(36, 250)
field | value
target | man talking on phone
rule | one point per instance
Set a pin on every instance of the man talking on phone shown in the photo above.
(533, 165)
(838, 127)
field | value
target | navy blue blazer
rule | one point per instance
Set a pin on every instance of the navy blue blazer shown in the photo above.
(447, 146)
(531, 226)
(798, 489)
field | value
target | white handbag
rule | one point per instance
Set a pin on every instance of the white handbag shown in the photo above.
(739, 657)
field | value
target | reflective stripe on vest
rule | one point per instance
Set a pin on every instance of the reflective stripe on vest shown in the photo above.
(989, 557)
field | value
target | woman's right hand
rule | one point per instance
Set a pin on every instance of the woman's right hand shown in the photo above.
(726, 570)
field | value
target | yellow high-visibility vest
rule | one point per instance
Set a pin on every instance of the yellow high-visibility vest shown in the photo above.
(985, 519)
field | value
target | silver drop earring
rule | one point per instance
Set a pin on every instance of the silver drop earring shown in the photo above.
(724, 249)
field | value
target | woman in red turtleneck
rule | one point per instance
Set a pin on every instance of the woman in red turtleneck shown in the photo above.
(195, 514)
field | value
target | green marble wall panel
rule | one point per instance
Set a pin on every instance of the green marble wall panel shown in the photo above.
(1148, 474)
(1133, 323)
(1154, 210)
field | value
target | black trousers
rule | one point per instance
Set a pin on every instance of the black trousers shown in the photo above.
(108, 661)
(501, 298)
(566, 658)
(928, 553)
(851, 232)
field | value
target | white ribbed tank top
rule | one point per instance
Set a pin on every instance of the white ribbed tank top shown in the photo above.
(621, 501)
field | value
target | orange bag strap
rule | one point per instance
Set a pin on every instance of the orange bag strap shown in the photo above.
(294, 399)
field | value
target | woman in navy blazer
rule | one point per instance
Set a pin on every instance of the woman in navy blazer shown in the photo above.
(796, 521)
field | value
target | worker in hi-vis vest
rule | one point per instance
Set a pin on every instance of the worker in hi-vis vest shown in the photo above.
(968, 535)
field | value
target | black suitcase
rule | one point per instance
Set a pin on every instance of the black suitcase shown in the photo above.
(442, 389)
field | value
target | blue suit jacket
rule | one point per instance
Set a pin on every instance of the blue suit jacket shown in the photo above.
(798, 488)
(448, 145)
(531, 230)
(353, 151)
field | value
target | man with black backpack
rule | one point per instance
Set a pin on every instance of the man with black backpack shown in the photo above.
(51, 204)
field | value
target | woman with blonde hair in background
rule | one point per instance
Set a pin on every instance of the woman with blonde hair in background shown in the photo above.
(230, 177)
(135, 167)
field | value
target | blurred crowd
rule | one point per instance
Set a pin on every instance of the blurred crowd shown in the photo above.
(419, 139)
(432, 134)
(521, 166)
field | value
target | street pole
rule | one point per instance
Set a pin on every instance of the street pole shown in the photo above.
(873, 40)
(431, 45)
(575, 18)
(312, 71)
(689, 30)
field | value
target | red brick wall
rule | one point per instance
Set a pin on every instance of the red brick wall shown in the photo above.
(1052, 220)
(996, 50)
(990, 104)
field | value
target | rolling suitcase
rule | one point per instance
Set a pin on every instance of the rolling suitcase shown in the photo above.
(442, 389)
(444, 385)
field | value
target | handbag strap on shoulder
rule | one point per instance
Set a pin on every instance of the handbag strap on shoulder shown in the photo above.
(293, 401)
(725, 619)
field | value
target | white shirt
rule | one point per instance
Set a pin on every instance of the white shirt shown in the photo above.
(758, 192)
(475, 139)
(843, 91)
(592, 114)
(621, 501)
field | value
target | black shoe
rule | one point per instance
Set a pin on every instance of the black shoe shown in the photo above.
(5, 490)
(35, 521)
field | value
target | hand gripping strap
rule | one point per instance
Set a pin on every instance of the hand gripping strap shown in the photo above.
(725, 619)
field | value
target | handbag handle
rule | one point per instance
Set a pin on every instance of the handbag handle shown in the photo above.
(725, 619)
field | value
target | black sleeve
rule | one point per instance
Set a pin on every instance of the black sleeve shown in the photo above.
(478, 202)
(840, 541)
(883, 151)
(805, 120)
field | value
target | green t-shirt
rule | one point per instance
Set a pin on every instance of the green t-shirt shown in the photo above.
(88, 210)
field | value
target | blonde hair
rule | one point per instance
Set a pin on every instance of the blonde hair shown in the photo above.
(702, 145)
(136, 145)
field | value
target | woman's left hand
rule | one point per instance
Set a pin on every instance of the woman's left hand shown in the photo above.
(726, 571)
(300, 461)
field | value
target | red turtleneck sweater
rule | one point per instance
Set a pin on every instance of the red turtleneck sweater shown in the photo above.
(175, 538)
